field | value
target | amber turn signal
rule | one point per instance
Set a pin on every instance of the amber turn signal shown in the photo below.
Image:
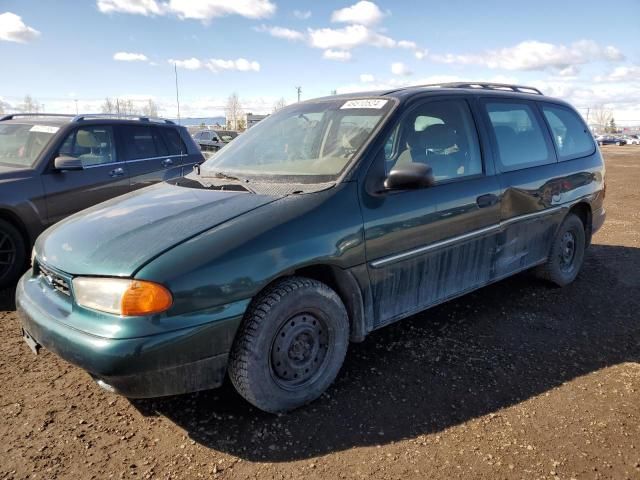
(145, 298)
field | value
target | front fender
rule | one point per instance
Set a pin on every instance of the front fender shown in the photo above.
(235, 260)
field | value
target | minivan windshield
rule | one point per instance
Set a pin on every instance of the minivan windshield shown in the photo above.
(307, 142)
(20, 144)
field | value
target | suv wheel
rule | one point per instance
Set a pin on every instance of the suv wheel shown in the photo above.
(291, 345)
(567, 253)
(12, 254)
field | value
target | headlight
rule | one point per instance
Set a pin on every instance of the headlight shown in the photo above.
(121, 296)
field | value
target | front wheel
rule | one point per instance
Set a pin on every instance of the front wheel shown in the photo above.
(12, 254)
(567, 253)
(290, 346)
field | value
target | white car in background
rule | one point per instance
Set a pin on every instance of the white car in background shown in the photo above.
(633, 139)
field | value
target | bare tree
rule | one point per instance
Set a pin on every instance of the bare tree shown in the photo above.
(601, 117)
(109, 106)
(281, 103)
(233, 112)
(30, 105)
(150, 109)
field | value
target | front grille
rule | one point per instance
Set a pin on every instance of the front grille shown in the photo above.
(53, 279)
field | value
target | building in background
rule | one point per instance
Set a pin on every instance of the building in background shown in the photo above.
(252, 119)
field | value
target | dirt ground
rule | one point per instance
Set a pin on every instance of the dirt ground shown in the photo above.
(517, 380)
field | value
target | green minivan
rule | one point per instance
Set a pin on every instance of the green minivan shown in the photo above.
(329, 219)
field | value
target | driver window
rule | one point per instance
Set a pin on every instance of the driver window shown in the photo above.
(440, 134)
(92, 145)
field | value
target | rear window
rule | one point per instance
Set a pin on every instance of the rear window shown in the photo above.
(571, 136)
(519, 135)
(141, 142)
(174, 142)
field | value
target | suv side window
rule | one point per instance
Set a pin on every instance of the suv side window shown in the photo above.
(141, 142)
(174, 142)
(519, 135)
(571, 136)
(441, 134)
(93, 145)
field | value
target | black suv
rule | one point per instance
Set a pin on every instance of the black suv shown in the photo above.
(214, 140)
(54, 165)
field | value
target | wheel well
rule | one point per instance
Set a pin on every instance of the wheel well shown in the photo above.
(583, 211)
(347, 288)
(14, 220)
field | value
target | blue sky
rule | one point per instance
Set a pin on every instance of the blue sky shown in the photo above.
(86, 50)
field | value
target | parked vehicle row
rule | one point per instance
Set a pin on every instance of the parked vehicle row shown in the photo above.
(618, 140)
(213, 140)
(326, 221)
(52, 166)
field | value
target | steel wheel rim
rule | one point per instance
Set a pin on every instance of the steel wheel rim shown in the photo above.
(300, 350)
(8, 251)
(567, 251)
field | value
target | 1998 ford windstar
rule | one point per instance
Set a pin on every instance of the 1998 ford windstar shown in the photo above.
(327, 220)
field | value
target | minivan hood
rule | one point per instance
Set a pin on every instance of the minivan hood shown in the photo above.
(117, 237)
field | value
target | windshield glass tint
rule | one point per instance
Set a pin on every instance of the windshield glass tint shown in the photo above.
(21, 144)
(311, 139)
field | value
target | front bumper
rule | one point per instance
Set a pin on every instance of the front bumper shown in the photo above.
(168, 363)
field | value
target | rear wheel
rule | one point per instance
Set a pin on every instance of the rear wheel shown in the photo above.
(290, 346)
(567, 253)
(12, 254)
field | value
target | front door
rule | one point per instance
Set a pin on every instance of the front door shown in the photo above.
(102, 177)
(426, 245)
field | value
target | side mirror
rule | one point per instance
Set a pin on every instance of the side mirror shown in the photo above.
(409, 176)
(65, 162)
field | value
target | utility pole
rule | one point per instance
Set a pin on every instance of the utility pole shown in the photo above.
(175, 70)
(299, 89)
(76, 100)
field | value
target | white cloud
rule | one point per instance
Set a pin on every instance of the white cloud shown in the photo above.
(135, 7)
(217, 65)
(302, 14)
(281, 32)
(339, 55)
(399, 68)
(188, 63)
(13, 29)
(367, 78)
(130, 57)
(534, 55)
(421, 54)
(361, 13)
(621, 74)
(407, 44)
(348, 37)
(204, 10)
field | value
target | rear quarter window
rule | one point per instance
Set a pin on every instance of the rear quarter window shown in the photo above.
(571, 136)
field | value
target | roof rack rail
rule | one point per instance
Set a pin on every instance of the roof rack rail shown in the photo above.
(14, 115)
(488, 86)
(142, 118)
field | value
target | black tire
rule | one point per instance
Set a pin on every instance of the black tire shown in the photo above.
(567, 253)
(12, 254)
(290, 346)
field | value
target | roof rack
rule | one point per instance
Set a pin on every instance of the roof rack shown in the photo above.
(14, 115)
(142, 118)
(87, 116)
(489, 86)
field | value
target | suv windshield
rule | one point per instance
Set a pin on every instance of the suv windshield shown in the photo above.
(312, 142)
(20, 144)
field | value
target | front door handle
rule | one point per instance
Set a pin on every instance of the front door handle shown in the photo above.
(167, 162)
(487, 200)
(117, 172)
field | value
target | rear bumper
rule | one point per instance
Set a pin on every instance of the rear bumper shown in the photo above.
(179, 361)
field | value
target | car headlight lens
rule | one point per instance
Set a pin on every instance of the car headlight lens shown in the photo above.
(121, 296)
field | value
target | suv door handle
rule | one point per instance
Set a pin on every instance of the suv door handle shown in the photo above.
(117, 172)
(487, 200)
(167, 162)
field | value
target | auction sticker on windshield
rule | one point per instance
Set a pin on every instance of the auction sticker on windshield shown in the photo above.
(365, 103)
(43, 129)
